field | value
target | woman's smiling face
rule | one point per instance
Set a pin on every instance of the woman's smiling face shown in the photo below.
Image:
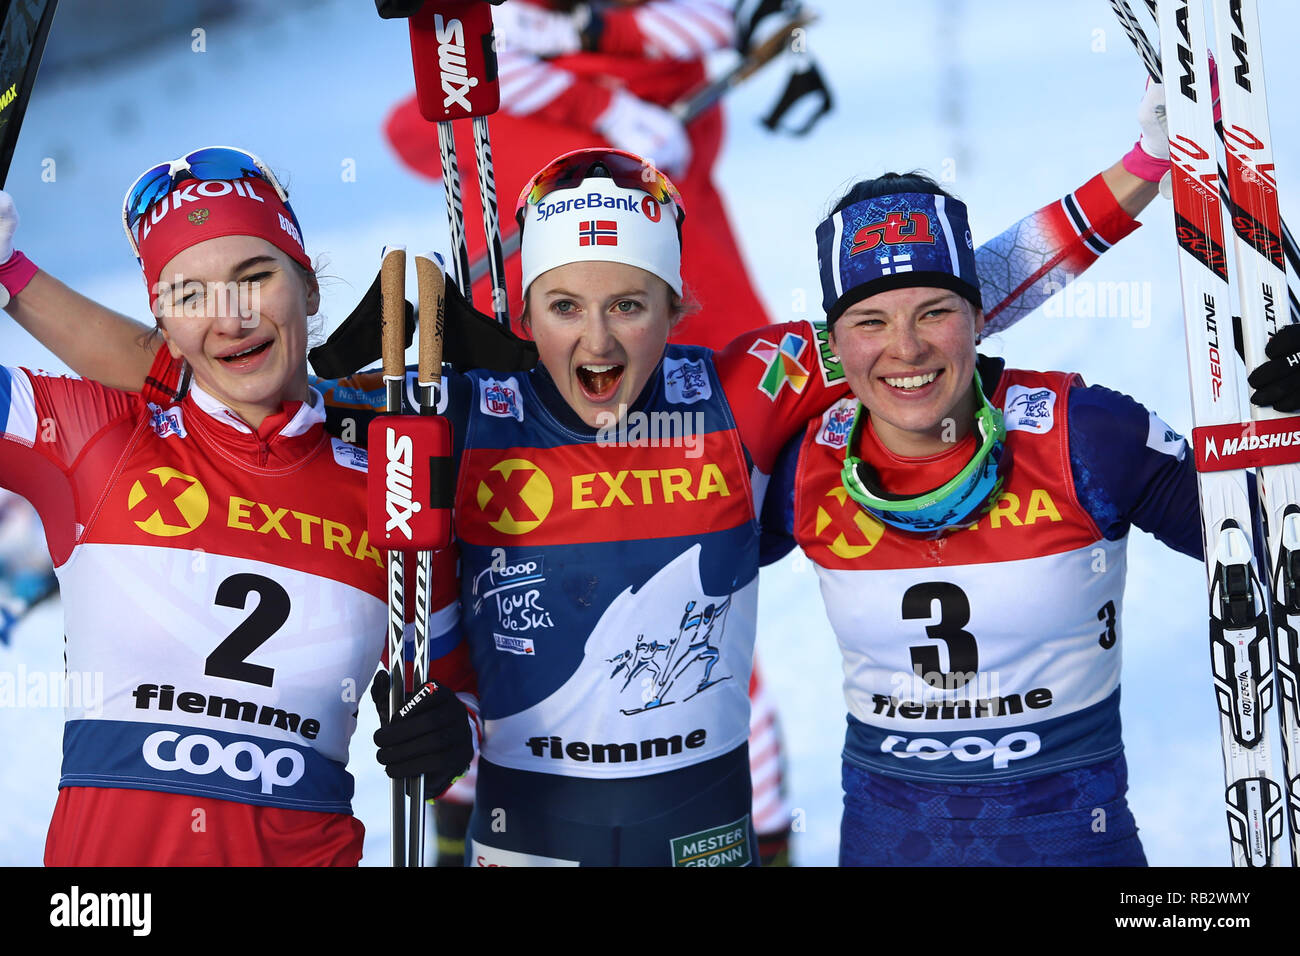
(909, 356)
(235, 308)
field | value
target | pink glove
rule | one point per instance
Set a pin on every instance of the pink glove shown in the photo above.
(16, 270)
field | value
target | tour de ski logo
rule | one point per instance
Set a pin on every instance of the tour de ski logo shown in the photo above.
(664, 674)
(166, 502)
(515, 496)
(513, 587)
(783, 364)
(843, 514)
(1029, 409)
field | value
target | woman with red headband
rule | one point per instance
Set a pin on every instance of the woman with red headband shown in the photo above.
(212, 555)
(606, 513)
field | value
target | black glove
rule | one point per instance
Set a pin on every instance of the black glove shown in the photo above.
(1277, 381)
(357, 342)
(430, 735)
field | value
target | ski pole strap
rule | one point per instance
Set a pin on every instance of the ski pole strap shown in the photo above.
(454, 56)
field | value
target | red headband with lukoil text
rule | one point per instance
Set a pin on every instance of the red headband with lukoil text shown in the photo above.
(198, 210)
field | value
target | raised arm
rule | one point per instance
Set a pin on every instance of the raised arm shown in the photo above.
(95, 342)
(1027, 264)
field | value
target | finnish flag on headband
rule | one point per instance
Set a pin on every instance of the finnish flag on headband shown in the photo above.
(892, 242)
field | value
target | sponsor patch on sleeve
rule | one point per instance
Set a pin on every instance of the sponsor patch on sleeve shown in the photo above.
(500, 399)
(836, 423)
(686, 382)
(832, 370)
(349, 456)
(1162, 438)
(514, 645)
(167, 421)
(1029, 409)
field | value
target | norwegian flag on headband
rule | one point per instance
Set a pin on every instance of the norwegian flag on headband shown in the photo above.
(598, 232)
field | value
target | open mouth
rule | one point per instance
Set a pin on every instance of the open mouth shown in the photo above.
(247, 355)
(910, 383)
(599, 382)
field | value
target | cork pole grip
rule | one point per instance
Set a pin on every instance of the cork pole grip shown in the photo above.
(430, 279)
(392, 285)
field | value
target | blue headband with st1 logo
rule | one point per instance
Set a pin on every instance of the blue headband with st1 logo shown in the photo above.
(895, 241)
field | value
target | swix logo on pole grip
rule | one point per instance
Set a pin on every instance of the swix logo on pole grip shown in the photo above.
(397, 484)
(409, 482)
(454, 56)
(1247, 444)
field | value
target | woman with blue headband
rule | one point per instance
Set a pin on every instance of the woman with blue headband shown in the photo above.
(981, 731)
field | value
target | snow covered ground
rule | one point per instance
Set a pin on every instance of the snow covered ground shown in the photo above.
(1013, 101)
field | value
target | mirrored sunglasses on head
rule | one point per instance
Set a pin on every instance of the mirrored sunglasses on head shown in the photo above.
(627, 170)
(208, 163)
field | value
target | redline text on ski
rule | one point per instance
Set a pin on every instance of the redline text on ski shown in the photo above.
(1151, 899)
(75, 908)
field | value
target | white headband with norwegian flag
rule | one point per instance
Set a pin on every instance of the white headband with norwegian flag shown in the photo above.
(600, 221)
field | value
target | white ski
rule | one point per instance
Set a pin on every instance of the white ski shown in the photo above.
(1240, 645)
(1262, 284)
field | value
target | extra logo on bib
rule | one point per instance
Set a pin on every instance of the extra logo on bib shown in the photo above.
(1029, 409)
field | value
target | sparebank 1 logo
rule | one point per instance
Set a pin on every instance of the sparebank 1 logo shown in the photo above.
(167, 503)
(841, 512)
(515, 496)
